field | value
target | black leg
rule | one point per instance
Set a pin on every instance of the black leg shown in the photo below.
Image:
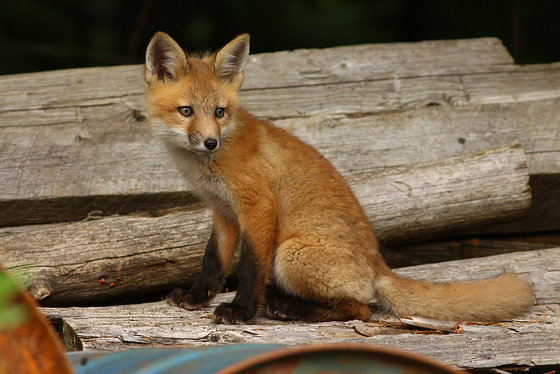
(252, 274)
(282, 306)
(208, 283)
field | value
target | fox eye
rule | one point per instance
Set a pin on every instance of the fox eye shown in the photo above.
(186, 111)
(220, 112)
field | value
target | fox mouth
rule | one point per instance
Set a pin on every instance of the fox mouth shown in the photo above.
(203, 152)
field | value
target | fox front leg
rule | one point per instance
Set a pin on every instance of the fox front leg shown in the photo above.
(208, 283)
(216, 264)
(252, 275)
(257, 218)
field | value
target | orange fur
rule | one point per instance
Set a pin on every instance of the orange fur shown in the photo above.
(305, 229)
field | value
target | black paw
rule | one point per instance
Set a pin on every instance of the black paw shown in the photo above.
(281, 309)
(230, 313)
(185, 299)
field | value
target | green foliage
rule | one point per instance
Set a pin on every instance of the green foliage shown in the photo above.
(11, 314)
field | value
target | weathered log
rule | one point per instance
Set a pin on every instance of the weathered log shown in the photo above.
(426, 200)
(112, 258)
(539, 82)
(75, 141)
(71, 88)
(529, 340)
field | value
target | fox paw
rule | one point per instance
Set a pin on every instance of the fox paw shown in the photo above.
(184, 299)
(280, 309)
(230, 313)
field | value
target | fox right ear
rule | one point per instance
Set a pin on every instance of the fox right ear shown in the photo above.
(165, 59)
(230, 61)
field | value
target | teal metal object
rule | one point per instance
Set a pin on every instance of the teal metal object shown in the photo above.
(156, 361)
(257, 359)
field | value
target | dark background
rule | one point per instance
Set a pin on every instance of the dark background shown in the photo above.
(38, 35)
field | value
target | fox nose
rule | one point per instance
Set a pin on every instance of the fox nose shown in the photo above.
(210, 143)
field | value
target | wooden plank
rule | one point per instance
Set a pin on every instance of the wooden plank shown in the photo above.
(531, 339)
(524, 83)
(404, 93)
(372, 141)
(104, 88)
(310, 67)
(153, 253)
(306, 67)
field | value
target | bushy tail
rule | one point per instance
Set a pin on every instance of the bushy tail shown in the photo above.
(494, 299)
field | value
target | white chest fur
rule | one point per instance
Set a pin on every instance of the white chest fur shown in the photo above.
(198, 171)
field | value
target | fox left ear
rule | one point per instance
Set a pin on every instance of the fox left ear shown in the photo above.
(165, 60)
(230, 60)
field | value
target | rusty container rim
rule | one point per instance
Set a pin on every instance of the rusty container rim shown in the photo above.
(384, 353)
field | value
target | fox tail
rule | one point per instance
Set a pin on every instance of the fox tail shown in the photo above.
(488, 300)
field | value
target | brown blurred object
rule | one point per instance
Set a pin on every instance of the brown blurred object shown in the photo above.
(30, 344)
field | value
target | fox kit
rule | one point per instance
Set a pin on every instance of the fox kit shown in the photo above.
(298, 225)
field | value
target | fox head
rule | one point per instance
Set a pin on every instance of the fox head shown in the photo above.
(192, 101)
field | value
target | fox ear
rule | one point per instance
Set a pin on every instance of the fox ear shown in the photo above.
(165, 60)
(230, 60)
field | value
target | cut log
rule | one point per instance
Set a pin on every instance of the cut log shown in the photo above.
(529, 340)
(75, 141)
(108, 259)
(427, 200)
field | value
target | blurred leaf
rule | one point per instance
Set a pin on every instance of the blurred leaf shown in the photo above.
(11, 314)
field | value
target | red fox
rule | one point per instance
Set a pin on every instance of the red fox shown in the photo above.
(299, 227)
